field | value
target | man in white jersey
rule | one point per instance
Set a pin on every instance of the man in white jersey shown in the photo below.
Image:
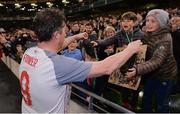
(44, 75)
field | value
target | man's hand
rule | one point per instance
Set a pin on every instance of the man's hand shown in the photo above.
(70, 39)
(131, 72)
(135, 46)
(80, 36)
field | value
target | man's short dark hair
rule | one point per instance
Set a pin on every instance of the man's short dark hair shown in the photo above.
(89, 24)
(129, 16)
(46, 22)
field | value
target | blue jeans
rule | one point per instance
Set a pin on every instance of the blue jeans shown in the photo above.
(161, 90)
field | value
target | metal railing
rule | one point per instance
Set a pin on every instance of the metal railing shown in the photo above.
(93, 96)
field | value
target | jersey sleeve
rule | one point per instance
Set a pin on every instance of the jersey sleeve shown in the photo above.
(70, 70)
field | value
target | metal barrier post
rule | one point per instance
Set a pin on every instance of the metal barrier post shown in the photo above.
(90, 106)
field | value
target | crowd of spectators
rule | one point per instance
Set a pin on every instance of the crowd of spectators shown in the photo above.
(14, 43)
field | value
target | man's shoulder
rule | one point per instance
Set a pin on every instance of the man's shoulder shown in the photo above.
(31, 49)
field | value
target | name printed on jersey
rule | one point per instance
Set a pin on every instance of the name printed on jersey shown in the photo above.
(30, 60)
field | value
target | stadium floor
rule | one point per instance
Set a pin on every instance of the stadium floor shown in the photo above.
(10, 95)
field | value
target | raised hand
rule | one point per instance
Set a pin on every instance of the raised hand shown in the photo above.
(80, 36)
(135, 46)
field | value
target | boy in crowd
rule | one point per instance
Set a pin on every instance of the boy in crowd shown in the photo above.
(73, 51)
(127, 34)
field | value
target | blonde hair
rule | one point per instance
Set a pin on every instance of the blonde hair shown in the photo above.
(107, 29)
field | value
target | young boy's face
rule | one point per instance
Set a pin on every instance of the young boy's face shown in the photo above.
(152, 24)
(73, 46)
(127, 24)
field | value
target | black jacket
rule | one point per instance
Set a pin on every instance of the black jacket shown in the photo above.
(176, 43)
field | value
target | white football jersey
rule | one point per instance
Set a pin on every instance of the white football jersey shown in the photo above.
(44, 77)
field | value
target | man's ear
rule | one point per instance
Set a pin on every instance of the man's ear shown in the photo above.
(56, 34)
